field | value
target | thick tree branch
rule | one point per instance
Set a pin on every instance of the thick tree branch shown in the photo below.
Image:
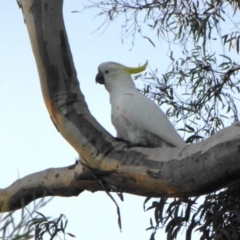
(198, 169)
(193, 170)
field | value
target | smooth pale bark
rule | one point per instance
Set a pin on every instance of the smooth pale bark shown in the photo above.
(172, 172)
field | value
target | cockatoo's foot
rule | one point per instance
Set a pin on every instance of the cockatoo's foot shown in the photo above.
(128, 144)
(122, 140)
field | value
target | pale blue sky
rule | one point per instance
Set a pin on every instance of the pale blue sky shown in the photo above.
(30, 142)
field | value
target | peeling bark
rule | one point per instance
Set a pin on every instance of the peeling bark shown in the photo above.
(171, 172)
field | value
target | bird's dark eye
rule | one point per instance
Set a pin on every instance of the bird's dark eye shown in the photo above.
(106, 71)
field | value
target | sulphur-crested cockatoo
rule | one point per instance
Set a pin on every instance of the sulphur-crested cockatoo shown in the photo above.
(136, 118)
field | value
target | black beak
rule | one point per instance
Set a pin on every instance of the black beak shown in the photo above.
(99, 78)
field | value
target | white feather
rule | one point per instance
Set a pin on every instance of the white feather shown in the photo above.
(136, 118)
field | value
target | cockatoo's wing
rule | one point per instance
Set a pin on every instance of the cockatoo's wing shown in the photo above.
(135, 112)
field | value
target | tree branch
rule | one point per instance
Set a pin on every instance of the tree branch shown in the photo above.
(171, 172)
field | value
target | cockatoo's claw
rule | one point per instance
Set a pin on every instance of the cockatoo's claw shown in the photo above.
(128, 144)
(122, 140)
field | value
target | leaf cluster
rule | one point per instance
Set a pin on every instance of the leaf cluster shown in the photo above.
(51, 228)
(217, 218)
(174, 21)
(198, 91)
(32, 224)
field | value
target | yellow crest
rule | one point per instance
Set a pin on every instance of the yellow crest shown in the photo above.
(131, 70)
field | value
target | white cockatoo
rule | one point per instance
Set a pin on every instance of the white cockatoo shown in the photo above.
(135, 117)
